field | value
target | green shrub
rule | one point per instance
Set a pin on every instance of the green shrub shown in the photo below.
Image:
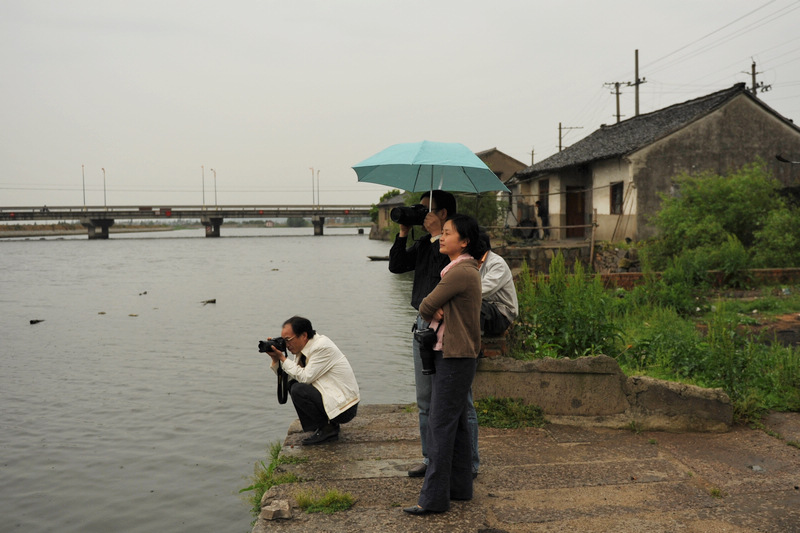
(777, 244)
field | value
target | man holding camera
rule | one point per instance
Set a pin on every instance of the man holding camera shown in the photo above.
(322, 385)
(424, 258)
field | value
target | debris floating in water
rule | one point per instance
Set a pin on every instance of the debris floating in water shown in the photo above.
(211, 301)
(36, 320)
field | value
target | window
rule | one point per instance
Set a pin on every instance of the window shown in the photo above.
(616, 198)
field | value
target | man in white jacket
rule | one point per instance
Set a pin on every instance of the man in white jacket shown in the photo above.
(322, 385)
(499, 306)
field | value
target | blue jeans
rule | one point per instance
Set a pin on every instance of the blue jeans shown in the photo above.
(423, 387)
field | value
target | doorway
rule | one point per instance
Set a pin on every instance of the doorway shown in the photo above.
(576, 211)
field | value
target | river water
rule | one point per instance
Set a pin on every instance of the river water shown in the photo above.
(133, 406)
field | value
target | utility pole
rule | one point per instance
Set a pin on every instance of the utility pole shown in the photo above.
(616, 85)
(561, 128)
(531, 155)
(635, 84)
(756, 86)
(638, 81)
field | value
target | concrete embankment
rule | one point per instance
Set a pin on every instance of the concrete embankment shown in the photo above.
(557, 478)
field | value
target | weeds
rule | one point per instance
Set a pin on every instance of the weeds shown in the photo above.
(313, 501)
(563, 314)
(508, 413)
(264, 477)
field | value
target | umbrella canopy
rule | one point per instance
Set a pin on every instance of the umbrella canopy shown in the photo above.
(426, 165)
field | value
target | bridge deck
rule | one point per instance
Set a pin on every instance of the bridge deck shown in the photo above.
(182, 211)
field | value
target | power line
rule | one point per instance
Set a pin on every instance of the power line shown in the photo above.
(709, 34)
(753, 26)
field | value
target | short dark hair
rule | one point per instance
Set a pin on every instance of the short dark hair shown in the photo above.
(443, 199)
(467, 228)
(301, 325)
(486, 241)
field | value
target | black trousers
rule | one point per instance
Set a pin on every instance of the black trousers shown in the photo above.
(493, 323)
(449, 474)
(307, 402)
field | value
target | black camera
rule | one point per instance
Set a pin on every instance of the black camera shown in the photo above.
(427, 340)
(279, 343)
(409, 215)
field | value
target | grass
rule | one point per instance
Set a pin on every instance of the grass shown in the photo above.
(716, 492)
(508, 413)
(264, 477)
(332, 501)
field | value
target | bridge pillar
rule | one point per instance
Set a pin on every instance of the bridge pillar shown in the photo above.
(212, 225)
(318, 223)
(97, 227)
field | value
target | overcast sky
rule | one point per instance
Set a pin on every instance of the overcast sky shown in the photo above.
(263, 91)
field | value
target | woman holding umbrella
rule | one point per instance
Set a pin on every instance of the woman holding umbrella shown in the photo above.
(456, 303)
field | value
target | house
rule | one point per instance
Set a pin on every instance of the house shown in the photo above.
(505, 167)
(619, 170)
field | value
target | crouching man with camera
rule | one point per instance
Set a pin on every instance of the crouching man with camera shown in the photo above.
(321, 382)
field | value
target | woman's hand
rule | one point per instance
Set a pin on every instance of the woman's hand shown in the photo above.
(439, 315)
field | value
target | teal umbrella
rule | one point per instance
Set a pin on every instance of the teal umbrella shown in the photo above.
(426, 165)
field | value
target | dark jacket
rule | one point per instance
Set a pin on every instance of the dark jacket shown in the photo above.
(424, 259)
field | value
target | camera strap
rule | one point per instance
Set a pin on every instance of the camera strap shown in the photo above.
(283, 385)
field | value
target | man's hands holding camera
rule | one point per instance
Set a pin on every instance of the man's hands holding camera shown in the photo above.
(274, 348)
(432, 224)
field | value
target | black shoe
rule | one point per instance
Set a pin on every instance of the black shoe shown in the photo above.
(418, 511)
(474, 475)
(418, 471)
(325, 433)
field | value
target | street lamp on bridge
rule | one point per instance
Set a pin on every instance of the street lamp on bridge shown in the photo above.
(83, 179)
(104, 188)
(215, 187)
(203, 177)
(312, 184)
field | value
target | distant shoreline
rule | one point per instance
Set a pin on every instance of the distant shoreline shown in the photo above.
(31, 231)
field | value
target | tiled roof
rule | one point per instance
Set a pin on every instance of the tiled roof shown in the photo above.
(630, 135)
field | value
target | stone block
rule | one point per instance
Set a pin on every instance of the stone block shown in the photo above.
(275, 510)
(670, 406)
(593, 391)
(586, 386)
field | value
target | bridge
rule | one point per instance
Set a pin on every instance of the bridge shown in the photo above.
(98, 219)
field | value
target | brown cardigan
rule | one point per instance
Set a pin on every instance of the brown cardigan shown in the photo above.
(459, 295)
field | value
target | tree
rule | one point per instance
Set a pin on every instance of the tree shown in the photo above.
(708, 209)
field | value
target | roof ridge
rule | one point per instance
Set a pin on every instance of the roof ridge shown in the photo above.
(634, 133)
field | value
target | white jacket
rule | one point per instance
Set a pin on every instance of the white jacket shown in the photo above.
(497, 285)
(328, 370)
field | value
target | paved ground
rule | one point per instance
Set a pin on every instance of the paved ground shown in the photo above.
(559, 478)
